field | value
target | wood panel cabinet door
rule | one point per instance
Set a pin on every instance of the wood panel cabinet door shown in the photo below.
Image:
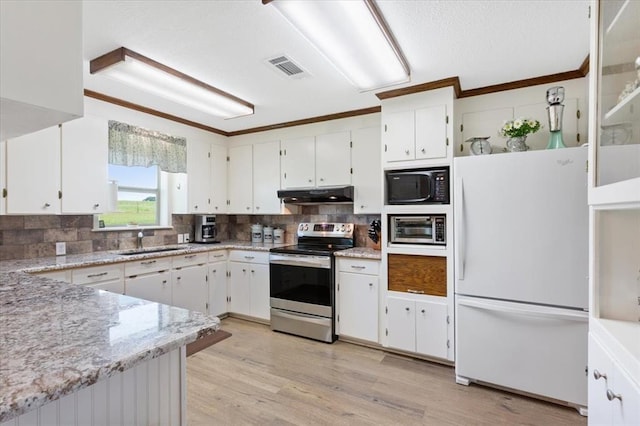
(333, 159)
(431, 328)
(190, 288)
(85, 144)
(260, 304)
(367, 171)
(198, 176)
(431, 132)
(240, 288)
(398, 136)
(297, 163)
(240, 185)
(218, 184)
(266, 177)
(218, 288)
(33, 173)
(154, 287)
(358, 306)
(418, 274)
(401, 323)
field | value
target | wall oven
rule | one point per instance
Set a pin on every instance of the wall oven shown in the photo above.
(302, 292)
(417, 229)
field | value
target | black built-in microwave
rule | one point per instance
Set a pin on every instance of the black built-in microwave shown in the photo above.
(418, 186)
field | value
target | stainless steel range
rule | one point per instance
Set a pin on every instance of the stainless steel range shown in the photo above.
(302, 280)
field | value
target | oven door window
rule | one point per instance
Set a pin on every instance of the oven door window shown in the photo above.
(301, 284)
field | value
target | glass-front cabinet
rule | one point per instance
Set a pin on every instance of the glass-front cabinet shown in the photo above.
(614, 205)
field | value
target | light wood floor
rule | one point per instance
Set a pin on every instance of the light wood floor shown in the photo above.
(261, 377)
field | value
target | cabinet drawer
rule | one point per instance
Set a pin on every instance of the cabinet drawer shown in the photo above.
(418, 274)
(190, 259)
(249, 256)
(359, 266)
(217, 256)
(147, 265)
(96, 274)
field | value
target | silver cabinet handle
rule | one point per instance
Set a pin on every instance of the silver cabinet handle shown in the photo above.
(362, 206)
(597, 375)
(214, 271)
(47, 205)
(252, 271)
(189, 256)
(164, 281)
(195, 207)
(424, 151)
(321, 179)
(101, 274)
(148, 262)
(310, 180)
(248, 208)
(96, 205)
(249, 257)
(611, 396)
(370, 284)
(244, 270)
(406, 309)
(218, 255)
(257, 207)
(358, 267)
(407, 152)
(415, 291)
(422, 311)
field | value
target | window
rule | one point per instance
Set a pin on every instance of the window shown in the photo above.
(148, 174)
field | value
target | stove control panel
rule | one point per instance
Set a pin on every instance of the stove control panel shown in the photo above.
(341, 230)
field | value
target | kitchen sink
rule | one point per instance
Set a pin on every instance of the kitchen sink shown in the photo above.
(150, 250)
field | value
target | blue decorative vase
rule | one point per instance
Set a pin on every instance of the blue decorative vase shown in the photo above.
(555, 140)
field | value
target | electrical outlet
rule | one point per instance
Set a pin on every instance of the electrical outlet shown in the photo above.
(186, 237)
(61, 249)
(180, 238)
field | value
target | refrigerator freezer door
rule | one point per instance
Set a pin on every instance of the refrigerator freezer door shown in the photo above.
(522, 226)
(535, 349)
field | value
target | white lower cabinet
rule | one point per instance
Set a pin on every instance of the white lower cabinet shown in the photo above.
(418, 325)
(218, 295)
(103, 277)
(155, 286)
(190, 288)
(249, 284)
(614, 399)
(357, 299)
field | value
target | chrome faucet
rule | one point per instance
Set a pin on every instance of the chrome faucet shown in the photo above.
(140, 235)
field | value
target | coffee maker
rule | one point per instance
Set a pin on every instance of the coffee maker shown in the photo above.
(205, 231)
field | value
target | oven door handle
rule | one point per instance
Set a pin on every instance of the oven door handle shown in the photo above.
(298, 315)
(304, 261)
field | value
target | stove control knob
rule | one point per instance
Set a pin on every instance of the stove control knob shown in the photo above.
(341, 228)
(306, 227)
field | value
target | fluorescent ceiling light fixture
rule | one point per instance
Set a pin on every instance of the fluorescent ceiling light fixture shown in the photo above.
(353, 36)
(146, 74)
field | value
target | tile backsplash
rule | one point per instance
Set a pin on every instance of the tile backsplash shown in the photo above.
(26, 237)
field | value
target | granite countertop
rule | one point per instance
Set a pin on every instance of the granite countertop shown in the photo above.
(360, 252)
(56, 338)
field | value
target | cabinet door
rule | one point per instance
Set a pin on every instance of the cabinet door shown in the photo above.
(298, 163)
(154, 287)
(240, 180)
(599, 376)
(260, 304)
(398, 136)
(358, 300)
(240, 288)
(33, 173)
(431, 132)
(367, 171)
(333, 159)
(85, 144)
(431, 328)
(116, 286)
(190, 290)
(626, 411)
(401, 323)
(485, 123)
(266, 177)
(198, 176)
(218, 288)
(3, 175)
(219, 167)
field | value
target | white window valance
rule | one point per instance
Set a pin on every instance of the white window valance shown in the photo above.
(135, 146)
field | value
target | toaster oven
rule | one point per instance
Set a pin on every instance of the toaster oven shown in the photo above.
(414, 229)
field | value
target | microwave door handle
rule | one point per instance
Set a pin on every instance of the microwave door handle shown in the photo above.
(461, 235)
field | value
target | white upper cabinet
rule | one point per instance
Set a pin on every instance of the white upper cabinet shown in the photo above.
(33, 173)
(298, 165)
(206, 177)
(431, 132)
(323, 160)
(266, 177)
(399, 136)
(218, 182)
(367, 171)
(240, 183)
(333, 159)
(85, 144)
(40, 65)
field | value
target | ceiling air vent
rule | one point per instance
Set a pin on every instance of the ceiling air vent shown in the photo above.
(287, 66)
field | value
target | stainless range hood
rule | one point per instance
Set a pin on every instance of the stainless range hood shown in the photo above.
(327, 195)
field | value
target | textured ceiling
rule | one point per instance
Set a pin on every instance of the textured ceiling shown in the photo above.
(225, 43)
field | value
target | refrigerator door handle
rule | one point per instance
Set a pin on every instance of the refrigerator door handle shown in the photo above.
(529, 310)
(461, 234)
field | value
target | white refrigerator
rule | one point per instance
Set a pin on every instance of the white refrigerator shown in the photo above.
(521, 272)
